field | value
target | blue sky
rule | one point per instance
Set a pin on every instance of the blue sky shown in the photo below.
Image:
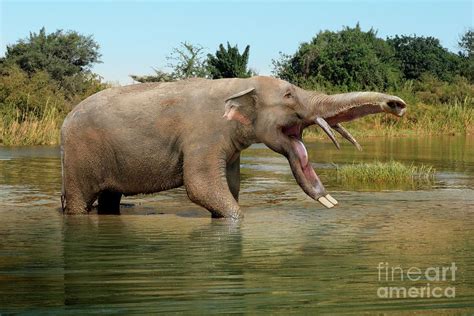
(137, 35)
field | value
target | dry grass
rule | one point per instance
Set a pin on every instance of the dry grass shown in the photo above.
(421, 119)
(31, 130)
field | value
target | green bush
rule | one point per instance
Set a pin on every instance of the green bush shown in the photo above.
(350, 59)
(21, 94)
(32, 107)
(431, 90)
(418, 55)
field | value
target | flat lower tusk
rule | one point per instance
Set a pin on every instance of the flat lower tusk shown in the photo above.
(325, 202)
(331, 199)
(345, 133)
(327, 129)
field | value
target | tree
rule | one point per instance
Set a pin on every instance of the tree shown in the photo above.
(187, 61)
(229, 63)
(420, 55)
(466, 44)
(63, 55)
(28, 94)
(160, 76)
(351, 59)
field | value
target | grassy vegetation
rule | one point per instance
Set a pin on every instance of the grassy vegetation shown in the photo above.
(32, 107)
(28, 128)
(31, 130)
(378, 174)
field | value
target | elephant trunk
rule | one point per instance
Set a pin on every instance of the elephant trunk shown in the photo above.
(328, 111)
(345, 107)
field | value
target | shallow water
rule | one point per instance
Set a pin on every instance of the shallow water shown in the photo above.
(164, 254)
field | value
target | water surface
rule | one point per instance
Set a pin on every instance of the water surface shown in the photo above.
(164, 254)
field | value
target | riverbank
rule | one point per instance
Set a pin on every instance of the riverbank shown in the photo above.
(421, 119)
(454, 118)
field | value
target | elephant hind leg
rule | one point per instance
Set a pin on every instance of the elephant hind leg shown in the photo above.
(233, 177)
(109, 202)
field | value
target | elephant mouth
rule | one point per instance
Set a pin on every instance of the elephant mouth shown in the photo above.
(302, 170)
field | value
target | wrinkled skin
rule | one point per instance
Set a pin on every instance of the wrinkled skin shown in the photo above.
(148, 138)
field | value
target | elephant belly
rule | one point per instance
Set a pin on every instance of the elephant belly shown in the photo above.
(145, 174)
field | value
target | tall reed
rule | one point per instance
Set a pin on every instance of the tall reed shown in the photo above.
(28, 129)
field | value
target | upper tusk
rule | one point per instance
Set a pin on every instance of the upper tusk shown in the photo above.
(345, 133)
(327, 129)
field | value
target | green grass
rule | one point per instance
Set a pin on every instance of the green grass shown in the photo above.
(385, 174)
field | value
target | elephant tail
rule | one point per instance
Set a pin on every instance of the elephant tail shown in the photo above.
(63, 189)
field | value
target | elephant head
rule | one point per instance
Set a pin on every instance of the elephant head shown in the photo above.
(276, 113)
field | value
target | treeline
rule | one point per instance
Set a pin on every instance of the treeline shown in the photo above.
(347, 60)
(437, 84)
(352, 59)
(44, 75)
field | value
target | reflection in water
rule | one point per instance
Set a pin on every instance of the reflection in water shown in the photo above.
(150, 262)
(287, 255)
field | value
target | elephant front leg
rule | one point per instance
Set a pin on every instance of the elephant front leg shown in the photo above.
(207, 185)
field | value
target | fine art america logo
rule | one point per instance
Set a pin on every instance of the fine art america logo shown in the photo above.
(429, 281)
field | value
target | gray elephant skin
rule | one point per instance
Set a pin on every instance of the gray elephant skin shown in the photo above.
(151, 137)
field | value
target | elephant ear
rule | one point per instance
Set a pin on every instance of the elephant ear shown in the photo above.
(237, 107)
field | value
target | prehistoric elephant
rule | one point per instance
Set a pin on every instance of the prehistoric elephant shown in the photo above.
(152, 137)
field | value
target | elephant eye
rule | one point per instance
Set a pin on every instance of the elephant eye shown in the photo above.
(288, 95)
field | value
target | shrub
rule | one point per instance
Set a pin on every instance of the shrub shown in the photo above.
(32, 107)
